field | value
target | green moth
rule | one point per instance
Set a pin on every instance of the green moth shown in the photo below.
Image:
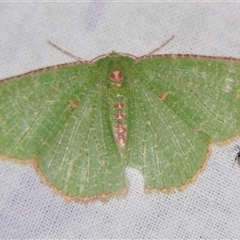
(83, 123)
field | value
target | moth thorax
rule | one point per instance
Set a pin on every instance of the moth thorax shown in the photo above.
(116, 76)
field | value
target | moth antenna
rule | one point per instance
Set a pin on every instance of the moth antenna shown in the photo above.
(165, 43)
(66, 52)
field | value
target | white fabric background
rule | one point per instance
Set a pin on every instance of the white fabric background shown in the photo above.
(209, 208)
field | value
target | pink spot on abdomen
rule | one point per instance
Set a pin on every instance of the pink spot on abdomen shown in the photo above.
(119, 105)
(119, 116)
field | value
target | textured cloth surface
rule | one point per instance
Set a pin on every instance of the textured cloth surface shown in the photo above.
(208, 208)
